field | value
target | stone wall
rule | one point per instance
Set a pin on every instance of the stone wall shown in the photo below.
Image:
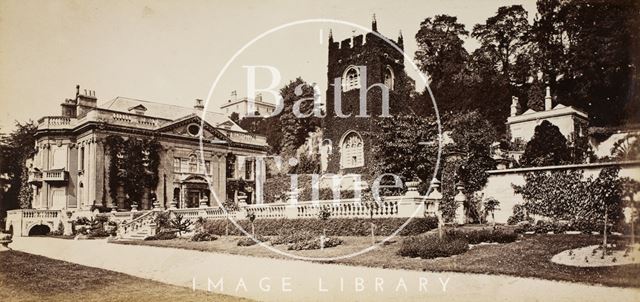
(500, 183)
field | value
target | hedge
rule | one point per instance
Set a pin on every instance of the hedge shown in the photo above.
(333, 226)
(428, 247)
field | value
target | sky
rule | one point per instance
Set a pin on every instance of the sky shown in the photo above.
(173, 51)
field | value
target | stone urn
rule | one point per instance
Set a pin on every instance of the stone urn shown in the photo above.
(412, 189)
(5, 239)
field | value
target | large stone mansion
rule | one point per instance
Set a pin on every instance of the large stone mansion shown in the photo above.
(71, 167)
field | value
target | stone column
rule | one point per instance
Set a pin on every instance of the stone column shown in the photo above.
(222, 178)
(91, 176)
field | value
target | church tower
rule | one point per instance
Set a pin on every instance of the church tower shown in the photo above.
(357, 68)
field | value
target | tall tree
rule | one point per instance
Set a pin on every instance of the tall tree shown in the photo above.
(298, 95)
(588, 54)
(442, 56)
(441, 53)
(506, 33)
(235, 117)
(15, 149)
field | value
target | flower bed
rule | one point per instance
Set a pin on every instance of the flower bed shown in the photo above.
(592, 256)
(164, 235)
(199, 236)
(314, 243)
(249, 241)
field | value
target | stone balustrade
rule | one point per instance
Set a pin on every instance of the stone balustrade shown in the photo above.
(32, 213)
(56, 122)
(389, 207)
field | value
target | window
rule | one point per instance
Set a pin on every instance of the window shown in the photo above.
(351, 151)
(59, 157)
(351, 79)
(248, 169)
(388, 77)
(207, 166)
(184, 165)
(176, 164)
(82, 159)
(193, 129)
(193, 163)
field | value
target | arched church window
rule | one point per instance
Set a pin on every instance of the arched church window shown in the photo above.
(351, 79)
(388, 77)
(352, 151)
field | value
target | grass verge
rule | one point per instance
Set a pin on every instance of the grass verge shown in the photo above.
(27, 277)
(530, 256)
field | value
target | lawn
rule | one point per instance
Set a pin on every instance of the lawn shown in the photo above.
(528, 257)
(27, 277)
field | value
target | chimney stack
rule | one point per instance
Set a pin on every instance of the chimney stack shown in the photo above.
(199, 105)
(85, 102)
(548, 105)
(515, 106)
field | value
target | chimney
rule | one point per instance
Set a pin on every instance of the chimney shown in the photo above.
(234, 95)
(374, 23)
(548, 105)
(69, 108)
(259, 97)
(199, 105)
(515, 106)
(85, 102)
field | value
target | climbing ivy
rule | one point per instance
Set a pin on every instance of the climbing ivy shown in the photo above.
(133, 166)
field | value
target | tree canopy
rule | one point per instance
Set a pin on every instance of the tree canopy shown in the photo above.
(547, 147)
(15, 149)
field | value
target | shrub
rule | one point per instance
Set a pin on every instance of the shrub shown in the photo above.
(162, 221)
(428, 247)
(518, 215)
(337, 227)
(180, 223)
(203, 237)
(479, 236)
(82, 221)
(165, 235)
(294, 237)
(82, 230)
(59, 231)
(248, 241)
(97, 233)
(314, 243)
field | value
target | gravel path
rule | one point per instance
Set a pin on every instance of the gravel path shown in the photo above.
(289, 280)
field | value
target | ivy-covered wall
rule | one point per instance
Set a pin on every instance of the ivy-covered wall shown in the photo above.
(500, 183)
(133, 168)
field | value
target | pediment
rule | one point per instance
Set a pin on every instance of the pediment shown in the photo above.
(139, 109)
(227, 125)
(191, 126)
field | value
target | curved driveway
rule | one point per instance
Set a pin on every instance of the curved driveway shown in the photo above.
(269, 279)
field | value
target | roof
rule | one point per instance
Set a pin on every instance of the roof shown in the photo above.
(166, 111)
(558, 110)
(245, 100)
